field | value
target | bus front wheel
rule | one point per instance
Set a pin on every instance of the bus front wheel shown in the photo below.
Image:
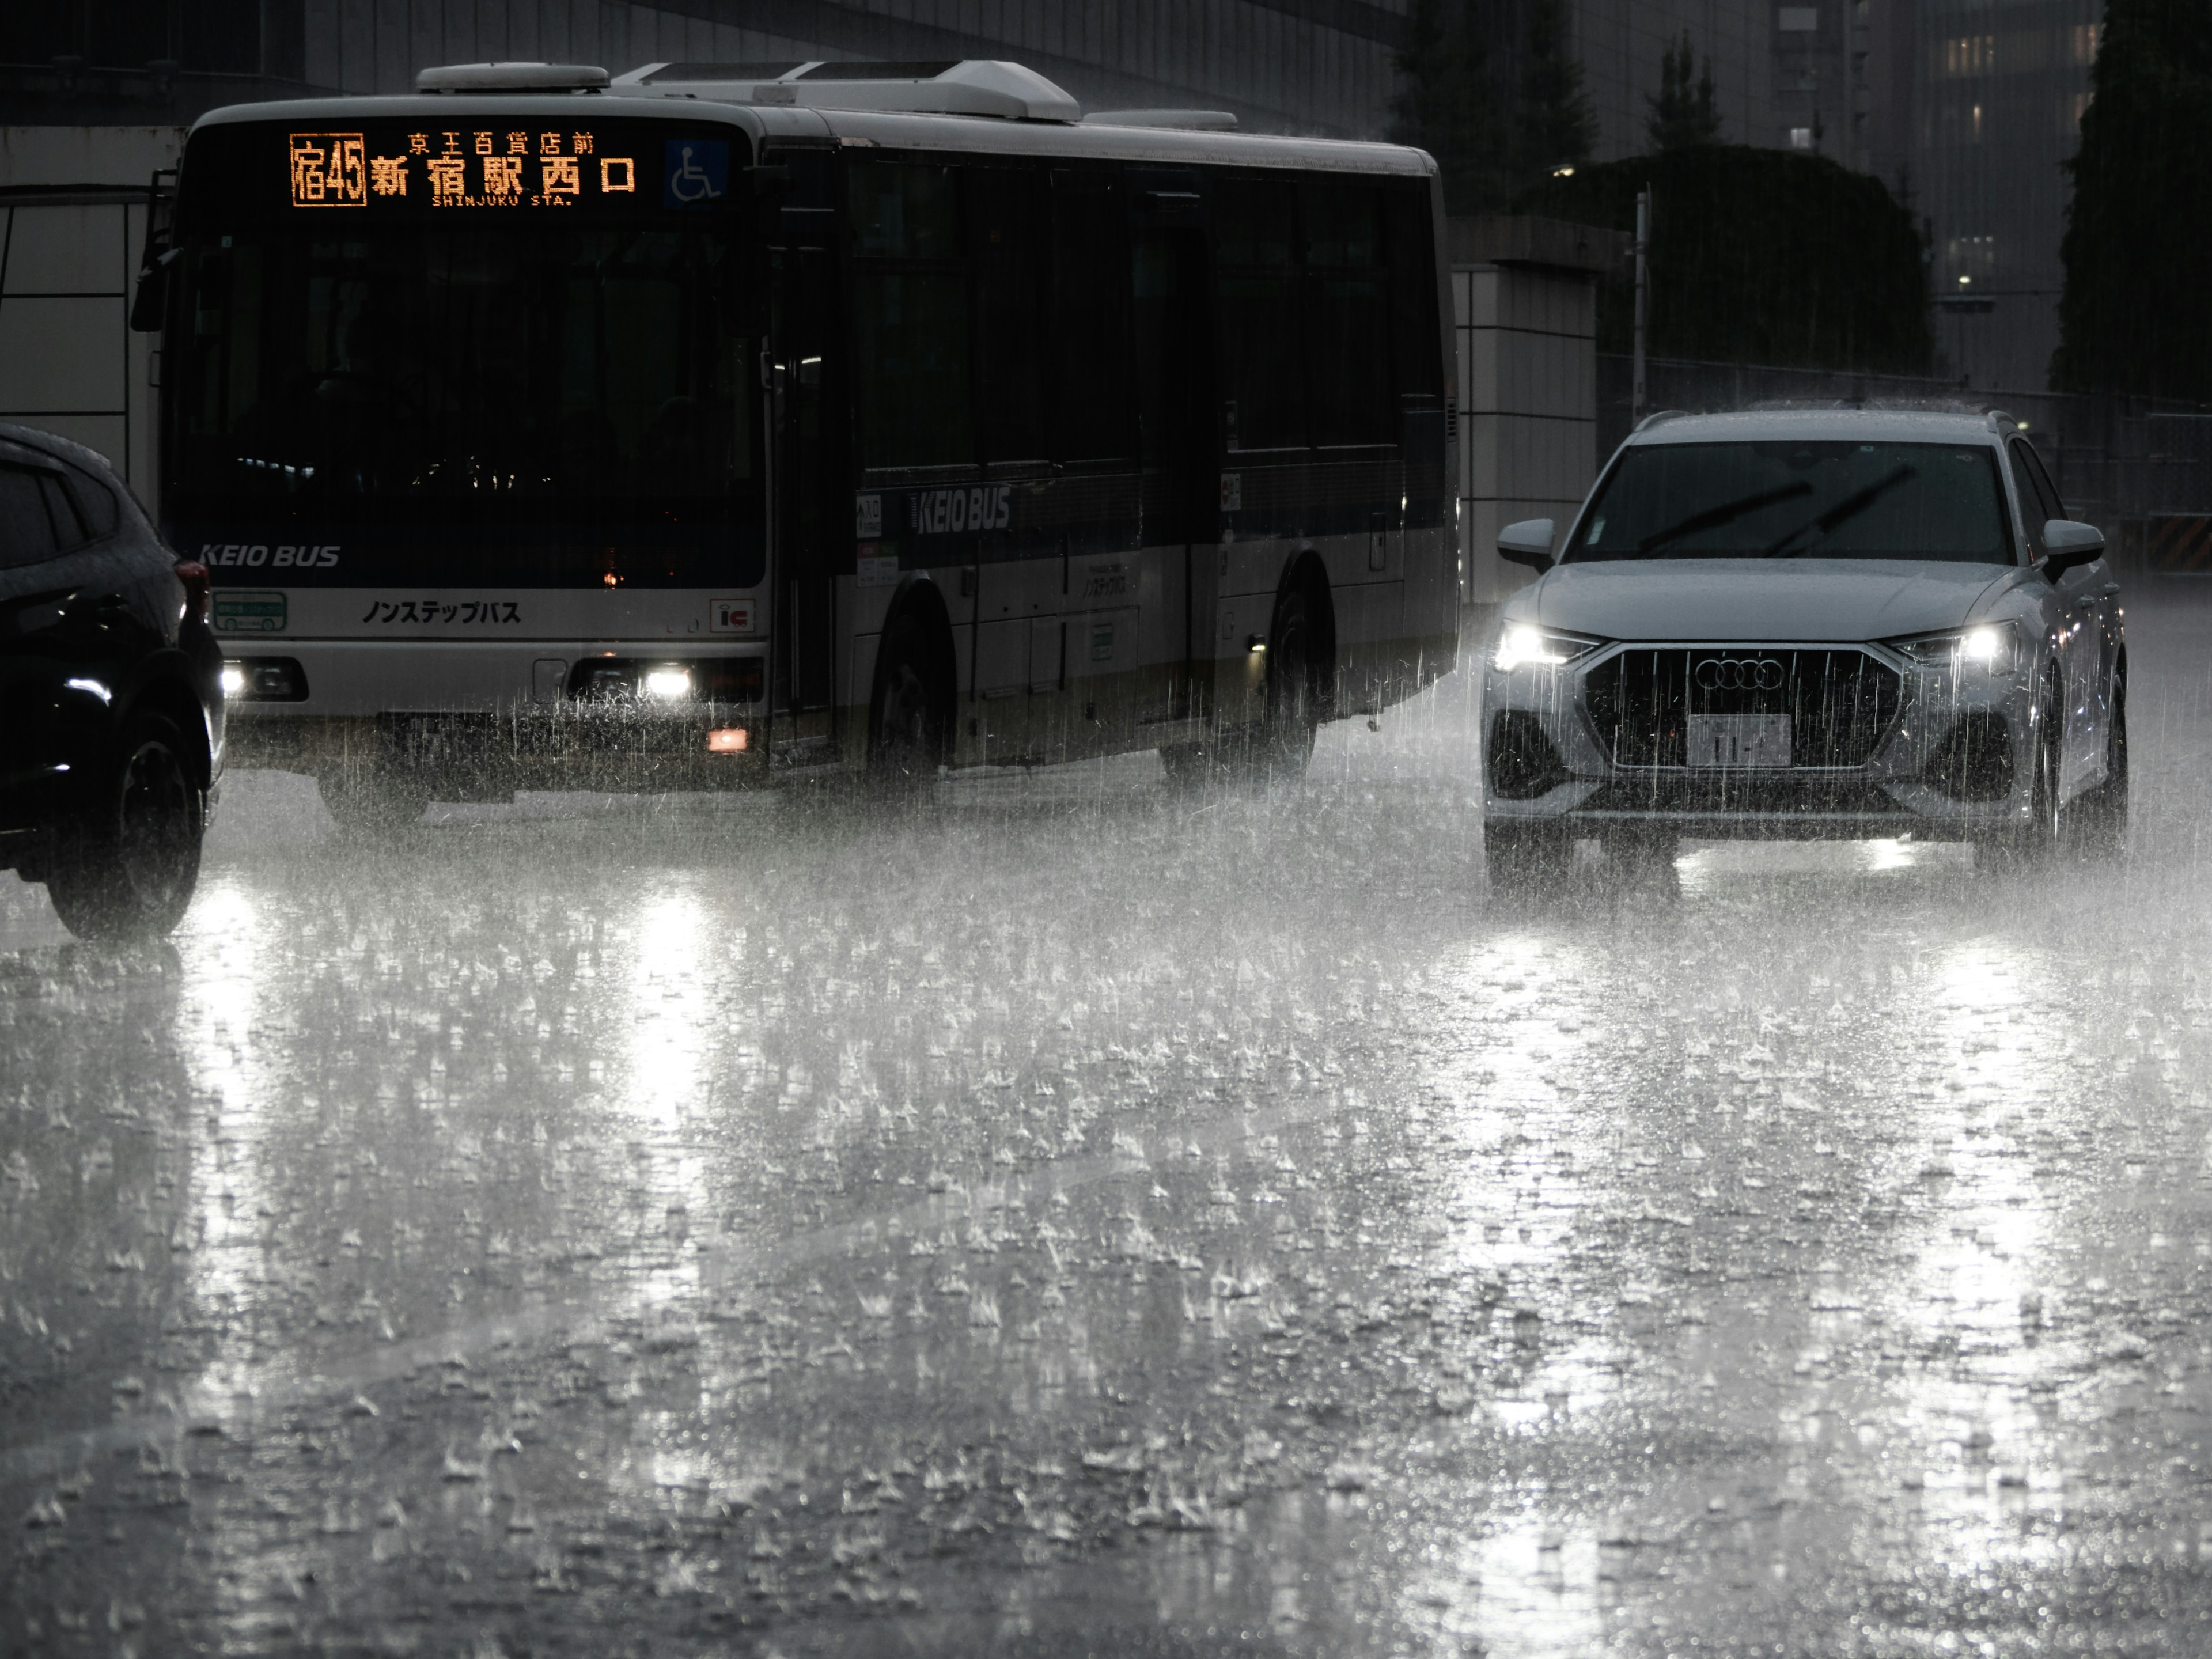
(1296, 675)
(906, 725)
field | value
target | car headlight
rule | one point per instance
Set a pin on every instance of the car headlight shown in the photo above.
(1523, 645)
(669, 684)
(1987, 648)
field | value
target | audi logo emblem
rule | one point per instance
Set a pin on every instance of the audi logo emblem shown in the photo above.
(1739, 674)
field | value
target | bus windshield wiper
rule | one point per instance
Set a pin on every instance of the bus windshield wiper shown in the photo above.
(1845, 510)
(1727, 513)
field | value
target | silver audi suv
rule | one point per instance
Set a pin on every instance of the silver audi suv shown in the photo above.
(1806, 623)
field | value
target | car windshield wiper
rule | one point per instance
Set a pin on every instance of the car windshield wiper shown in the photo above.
(1845, 510)
(1727, 513)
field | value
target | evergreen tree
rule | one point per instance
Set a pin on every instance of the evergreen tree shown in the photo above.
(1557, 127)
(1683, 114)
(1445, 106)
(2133, 317)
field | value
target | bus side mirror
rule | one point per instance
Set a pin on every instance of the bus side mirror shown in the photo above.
(151, 303)
(1529, 542)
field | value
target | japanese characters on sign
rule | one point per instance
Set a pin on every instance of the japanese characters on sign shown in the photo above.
(467, 167)
(326, 169)
(437, 609)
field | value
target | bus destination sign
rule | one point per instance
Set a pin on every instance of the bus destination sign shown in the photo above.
(476, 168)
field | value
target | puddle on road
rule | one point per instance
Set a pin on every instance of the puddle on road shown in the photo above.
(747, 1233)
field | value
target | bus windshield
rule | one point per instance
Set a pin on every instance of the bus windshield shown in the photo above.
(509, 372)
(1799, 499)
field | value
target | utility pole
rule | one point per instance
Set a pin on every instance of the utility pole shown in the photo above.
(1640, 397)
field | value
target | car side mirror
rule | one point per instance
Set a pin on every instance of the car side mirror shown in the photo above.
(1529, 542)
(2070, 544)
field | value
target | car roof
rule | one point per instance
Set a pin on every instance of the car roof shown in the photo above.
(53, 447)
(1894, 425)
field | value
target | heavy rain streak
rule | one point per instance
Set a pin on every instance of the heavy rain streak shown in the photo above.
(686, 1224)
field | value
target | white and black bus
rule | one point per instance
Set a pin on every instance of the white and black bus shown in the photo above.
(726, 421)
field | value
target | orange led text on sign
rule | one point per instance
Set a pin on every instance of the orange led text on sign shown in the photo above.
(334, 169)
(330, 169)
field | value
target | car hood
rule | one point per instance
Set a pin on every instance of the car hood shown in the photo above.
(1744, 599)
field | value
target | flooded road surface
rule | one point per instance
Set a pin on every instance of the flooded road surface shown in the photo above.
(1082, 1219)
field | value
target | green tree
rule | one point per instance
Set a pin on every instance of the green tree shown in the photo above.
(2133, 317)
(1683, 114)
(1557, 128)
(1757, 256)
(1445, 104)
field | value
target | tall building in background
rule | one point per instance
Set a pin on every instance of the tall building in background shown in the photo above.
(1998, 92)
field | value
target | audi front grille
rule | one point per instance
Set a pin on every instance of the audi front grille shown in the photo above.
(1840, 701)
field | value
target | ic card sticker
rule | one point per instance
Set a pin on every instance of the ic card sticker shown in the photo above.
(244, 612)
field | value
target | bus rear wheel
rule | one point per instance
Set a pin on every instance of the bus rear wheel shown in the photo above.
(907, 719)
(1279, 747)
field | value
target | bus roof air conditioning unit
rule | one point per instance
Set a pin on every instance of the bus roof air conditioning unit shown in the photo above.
(977, 86)
(513, 77)
(1198, 120)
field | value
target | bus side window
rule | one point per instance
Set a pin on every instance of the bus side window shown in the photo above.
(1005, 221)
(909, 315)
(1416, 347)
(1088, 327)
(1347, 329)
(1256, 312)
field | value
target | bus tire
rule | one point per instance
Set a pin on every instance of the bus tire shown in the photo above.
(908, 716)
(1298, 677)
(125, 864)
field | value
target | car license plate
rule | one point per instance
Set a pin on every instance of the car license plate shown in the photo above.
(1739, 740)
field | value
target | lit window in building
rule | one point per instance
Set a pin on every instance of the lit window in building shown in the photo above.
(2084, 37)
(1801, 138)
(1970, 54)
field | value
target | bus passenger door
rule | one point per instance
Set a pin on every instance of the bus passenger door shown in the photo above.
(805, 547)
(1180, 448)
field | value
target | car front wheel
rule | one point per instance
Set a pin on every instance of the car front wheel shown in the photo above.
(125, 865)
(2102, 815)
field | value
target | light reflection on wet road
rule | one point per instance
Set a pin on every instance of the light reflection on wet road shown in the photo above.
(1086, 1217)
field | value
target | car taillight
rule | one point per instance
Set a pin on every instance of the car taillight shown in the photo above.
(199, 594)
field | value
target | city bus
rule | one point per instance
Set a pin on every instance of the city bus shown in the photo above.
(717, 424)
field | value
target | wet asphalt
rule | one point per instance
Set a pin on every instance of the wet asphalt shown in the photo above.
(1077, 1217)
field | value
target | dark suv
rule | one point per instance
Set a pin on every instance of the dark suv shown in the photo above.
(111, 695)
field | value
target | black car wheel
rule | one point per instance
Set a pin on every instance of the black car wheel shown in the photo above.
(125, 865)
(2101, 816)
(2039, 837)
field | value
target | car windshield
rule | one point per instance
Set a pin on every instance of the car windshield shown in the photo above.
(1800, 498)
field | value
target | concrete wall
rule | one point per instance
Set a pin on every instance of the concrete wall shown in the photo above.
(1528, 376)
(72, 226)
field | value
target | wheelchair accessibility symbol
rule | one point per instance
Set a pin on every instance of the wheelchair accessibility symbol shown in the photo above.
(697, 172)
